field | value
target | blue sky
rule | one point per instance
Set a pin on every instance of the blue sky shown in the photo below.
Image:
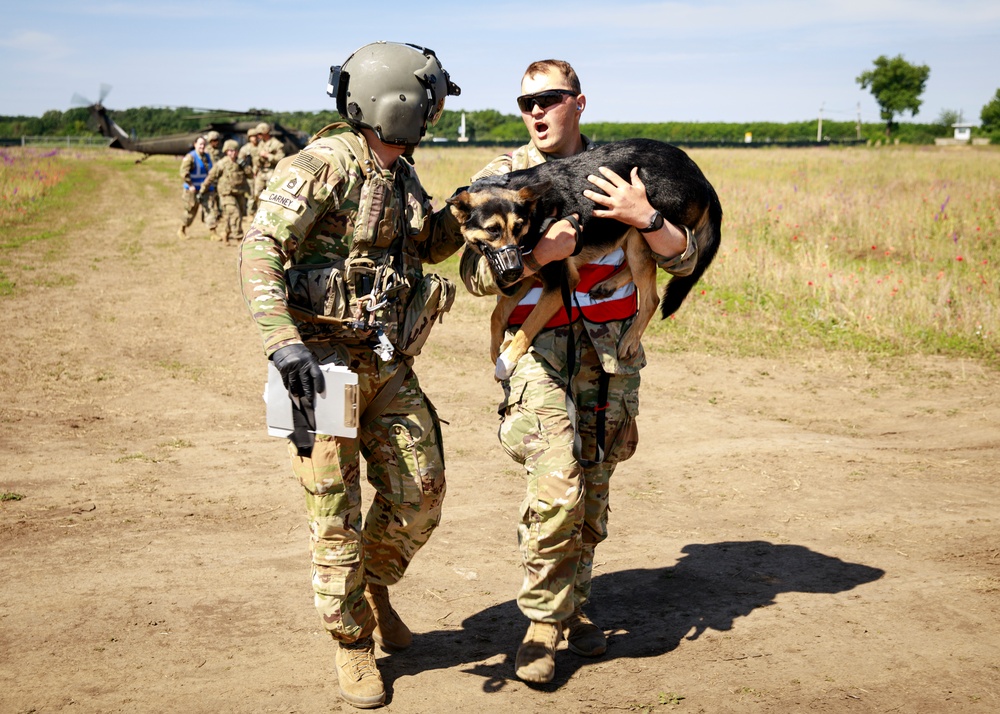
(769, 60)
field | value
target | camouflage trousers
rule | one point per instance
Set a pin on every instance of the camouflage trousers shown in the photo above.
(405, 465)
(565, 511)
(234, 207)
(209, 208)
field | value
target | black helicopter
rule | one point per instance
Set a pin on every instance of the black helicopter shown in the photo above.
(180, 144)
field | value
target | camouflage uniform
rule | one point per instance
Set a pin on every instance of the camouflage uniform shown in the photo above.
(194, 199)
(233, 188)
(269, 153)
(565, 513)
(313, 212)
(248, 157)
(216, 153)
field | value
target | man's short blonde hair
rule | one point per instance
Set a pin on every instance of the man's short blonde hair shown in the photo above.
(553, 65)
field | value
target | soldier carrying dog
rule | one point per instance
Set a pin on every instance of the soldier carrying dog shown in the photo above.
(565, 513)
(348, 213)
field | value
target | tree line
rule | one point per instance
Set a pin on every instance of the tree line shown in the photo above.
(489, 126)
(895, 84)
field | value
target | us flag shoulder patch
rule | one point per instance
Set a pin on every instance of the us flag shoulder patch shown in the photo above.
(309, 164)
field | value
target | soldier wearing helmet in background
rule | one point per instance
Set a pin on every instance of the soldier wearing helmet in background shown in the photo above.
(194, 170)
(247, 158)
(233, 188)
(214, 138)
(269, 152)
(348, 214)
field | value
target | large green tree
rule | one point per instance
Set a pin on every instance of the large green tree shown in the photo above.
(896, 85)
(990, 117)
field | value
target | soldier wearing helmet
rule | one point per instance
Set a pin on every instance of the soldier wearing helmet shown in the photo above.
(269, 152)
(232, 183)
(348, 215)
(247, 158)
(213, 138)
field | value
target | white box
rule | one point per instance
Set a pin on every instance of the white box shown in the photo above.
(336, 407)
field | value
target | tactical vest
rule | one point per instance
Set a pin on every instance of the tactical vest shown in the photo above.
(200, 171)
(379, 283)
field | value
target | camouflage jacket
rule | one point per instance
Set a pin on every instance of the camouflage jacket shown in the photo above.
(269, 153)
(215, 152)
(232, 180)
(250, 150)
(551, 343)
(317, 206)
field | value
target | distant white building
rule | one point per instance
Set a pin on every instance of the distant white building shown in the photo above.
(963, 131)
(962, 137)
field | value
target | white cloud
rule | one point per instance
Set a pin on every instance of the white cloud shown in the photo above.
(39, 46)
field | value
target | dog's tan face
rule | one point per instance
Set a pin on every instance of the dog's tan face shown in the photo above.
(493, 217)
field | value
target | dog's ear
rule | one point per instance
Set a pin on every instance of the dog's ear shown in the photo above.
(498, 180)
(530, 194)
(459, 203)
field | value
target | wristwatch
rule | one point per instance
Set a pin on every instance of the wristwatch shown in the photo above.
(655, 223)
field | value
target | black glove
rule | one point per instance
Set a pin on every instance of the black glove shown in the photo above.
(304, 380)
(300, 372)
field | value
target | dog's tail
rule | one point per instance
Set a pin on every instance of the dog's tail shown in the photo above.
(707, 237)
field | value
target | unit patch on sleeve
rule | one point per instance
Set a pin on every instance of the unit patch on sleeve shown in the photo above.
(309, 164)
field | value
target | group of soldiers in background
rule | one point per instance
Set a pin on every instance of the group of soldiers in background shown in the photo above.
(225, 183)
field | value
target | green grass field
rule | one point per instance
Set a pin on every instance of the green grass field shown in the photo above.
(880, 252)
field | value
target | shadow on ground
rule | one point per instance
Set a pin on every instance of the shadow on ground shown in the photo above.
(648, 612)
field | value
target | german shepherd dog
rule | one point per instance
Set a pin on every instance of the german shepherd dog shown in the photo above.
(504, 216)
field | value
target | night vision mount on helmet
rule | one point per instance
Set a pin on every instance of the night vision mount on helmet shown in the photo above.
(394, 89)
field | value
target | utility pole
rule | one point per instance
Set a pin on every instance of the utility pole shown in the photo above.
(819, 126)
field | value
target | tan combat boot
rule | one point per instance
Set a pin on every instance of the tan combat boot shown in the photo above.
(391, 632)
(182, 233)
(583, 636)
(213, 235)
(536, 657)
(360, 683)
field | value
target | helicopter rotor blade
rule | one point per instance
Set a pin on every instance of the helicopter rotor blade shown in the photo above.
(203, 113)
(79, 100)
(105, 90)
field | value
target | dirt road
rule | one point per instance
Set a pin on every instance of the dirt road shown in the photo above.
(812, 534)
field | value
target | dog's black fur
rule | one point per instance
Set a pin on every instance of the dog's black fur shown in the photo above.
(503, 216)
(675, 186)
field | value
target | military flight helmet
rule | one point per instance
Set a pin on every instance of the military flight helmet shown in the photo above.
(392, 88)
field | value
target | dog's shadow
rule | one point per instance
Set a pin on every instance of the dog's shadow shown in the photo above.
(649, 612)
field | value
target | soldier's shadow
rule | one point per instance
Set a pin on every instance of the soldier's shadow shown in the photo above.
(650, 610)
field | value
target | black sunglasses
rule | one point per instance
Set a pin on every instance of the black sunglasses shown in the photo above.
(544, 100)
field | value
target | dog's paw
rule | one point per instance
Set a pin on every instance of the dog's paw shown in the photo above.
(601, 291)
(629, 347)
(505, 367)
